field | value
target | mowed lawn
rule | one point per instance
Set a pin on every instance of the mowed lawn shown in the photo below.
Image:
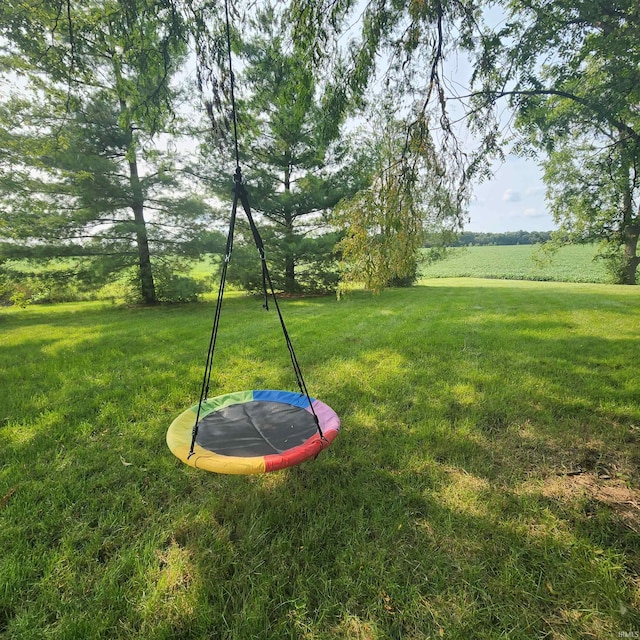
(484, 485)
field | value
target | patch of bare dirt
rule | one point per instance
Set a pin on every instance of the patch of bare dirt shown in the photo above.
(612, 492)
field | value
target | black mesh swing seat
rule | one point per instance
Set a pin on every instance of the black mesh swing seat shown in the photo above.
(253, 431)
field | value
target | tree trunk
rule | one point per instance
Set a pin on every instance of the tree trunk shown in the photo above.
(289, 261)
(147, 286)
(630, 224)
(631, 258)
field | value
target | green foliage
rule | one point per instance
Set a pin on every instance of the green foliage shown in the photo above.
(44, 287)
(127, 48)
(172, 282)
(570, 71)
(574, 82)
(178, 279)
(381, 238)
(32, 282)
(615, 262)
(476, 238)
(298, 170)
(414, 39)
(82, 173)
(593, 189)
(384, 225)
(316, 266)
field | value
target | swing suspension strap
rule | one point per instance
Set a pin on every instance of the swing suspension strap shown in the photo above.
(240, 195)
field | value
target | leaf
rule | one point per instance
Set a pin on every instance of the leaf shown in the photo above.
(5, 499)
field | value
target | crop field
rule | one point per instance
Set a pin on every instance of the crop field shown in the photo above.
(484, 485)
(575, 263)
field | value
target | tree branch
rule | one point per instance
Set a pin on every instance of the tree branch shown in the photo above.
(615, 122)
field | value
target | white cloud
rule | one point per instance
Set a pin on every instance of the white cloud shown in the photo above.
(510, 195)
(512, 200)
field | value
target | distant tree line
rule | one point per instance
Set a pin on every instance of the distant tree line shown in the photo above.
(471, 238)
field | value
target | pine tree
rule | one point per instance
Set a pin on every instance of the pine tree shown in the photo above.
(296, 168)
(82, 174)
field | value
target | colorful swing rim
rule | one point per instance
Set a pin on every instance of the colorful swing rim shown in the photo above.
(180, 431)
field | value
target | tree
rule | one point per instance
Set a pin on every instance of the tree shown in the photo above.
(426, 174)
(297, 170)
(384, 224)
(81, 170)
(570, 70)
(68, 194)
(594, 192)
(414, 39)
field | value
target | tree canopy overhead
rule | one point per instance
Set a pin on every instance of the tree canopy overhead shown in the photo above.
(404, 47)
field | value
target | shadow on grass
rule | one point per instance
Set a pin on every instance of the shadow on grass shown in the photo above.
(344, 548)
(457, 378)
(426, 361)
(414, 524)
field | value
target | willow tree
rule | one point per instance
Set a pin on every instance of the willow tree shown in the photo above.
(81, 170)
(424, 151)
(384, 224)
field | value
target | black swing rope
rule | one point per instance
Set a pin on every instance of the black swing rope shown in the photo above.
(240, 195)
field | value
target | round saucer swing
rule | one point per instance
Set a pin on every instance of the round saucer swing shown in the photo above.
(258, 431)
(253, 432)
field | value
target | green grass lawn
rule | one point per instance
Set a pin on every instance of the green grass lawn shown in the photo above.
(573, 263)
(484, 485)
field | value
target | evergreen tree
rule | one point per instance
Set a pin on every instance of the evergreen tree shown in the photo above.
(81, 173)
(296, 169)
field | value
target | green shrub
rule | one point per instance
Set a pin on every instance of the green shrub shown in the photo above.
(171, 281)
(173, 288)
(21, 288)
(615, 263)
